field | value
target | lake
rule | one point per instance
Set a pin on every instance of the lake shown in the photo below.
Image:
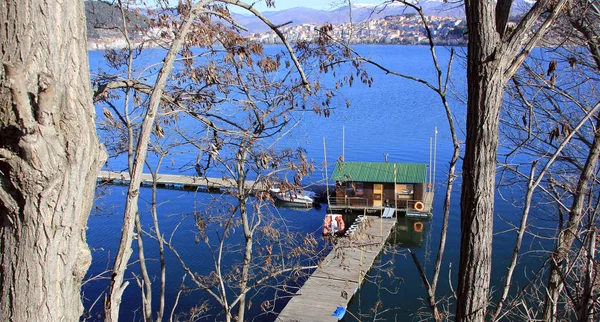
(396, 117)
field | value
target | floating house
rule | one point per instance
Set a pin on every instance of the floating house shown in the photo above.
(380, 186)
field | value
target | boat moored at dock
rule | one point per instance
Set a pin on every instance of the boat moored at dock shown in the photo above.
(294, 197)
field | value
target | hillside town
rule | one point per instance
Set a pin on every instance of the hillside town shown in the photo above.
(404, 29)
(398, 29)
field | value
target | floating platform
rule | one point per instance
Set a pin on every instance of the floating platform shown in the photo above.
(340, 274)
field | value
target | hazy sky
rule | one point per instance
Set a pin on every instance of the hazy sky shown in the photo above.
(317, 4)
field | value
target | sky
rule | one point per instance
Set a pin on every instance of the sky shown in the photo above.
(316, 4)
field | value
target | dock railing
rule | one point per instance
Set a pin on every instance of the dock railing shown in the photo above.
(409, 205)
(360, 203)
(350, 202)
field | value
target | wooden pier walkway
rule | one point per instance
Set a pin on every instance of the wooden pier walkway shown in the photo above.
(167, 180)
(340, 275)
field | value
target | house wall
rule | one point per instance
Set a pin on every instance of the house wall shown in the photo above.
(419, 191)
(388, 193)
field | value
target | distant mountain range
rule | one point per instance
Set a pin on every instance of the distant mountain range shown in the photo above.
(359, 12)
(103, 14)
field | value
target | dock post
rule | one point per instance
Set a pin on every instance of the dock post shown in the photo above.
(360, 268)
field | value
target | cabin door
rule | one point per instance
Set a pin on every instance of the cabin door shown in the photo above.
(377, 195)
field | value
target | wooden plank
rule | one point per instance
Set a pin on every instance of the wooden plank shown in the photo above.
(339, 275)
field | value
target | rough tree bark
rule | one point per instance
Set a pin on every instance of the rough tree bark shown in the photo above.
(49, 159)
(485, 88)
(493, 56)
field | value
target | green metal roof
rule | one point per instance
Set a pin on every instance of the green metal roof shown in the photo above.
(380, 172)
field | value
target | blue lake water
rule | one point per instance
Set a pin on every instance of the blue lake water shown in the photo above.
(395, 117)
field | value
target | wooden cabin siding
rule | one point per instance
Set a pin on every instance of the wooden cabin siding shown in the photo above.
(388, 193)
(368, 191)
(419, 191)
(340, 190)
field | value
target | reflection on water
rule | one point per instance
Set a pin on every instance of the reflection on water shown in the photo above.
(408, 233)
(393, 289)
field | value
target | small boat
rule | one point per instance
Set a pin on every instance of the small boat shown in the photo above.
(333, 225)
(295, 197)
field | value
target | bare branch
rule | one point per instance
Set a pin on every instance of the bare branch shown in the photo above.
(279, 34)
(428, 288)
(514, 42)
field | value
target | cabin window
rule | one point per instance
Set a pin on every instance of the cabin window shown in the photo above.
(354, 189)
(405, 191)
(358, 189)
(350, 192)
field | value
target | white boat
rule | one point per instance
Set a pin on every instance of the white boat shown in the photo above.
(294, 197)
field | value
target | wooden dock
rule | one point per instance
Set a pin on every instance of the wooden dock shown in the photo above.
(171, 180)
(340, 274)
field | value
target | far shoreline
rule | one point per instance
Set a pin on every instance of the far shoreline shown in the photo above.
(98, 47)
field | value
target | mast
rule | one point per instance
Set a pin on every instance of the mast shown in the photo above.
(326, 173)
(430, 164)
(343, 144)
(395, 194)
(434, 155)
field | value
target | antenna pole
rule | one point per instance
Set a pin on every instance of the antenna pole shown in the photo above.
(434, 155)
(395, 195)
(343, 144)
(430, 172)
(326, 174)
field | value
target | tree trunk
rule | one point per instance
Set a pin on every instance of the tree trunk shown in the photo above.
(117, 287)
(248, 231)
(485, 88)
(145, 284)
(586, 307)
(491, 62)
(246, 262)
(159, 240)
(49, 159)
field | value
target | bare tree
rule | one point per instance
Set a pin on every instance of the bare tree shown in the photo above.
(547, 98)
(235, 73)
(49, 159)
